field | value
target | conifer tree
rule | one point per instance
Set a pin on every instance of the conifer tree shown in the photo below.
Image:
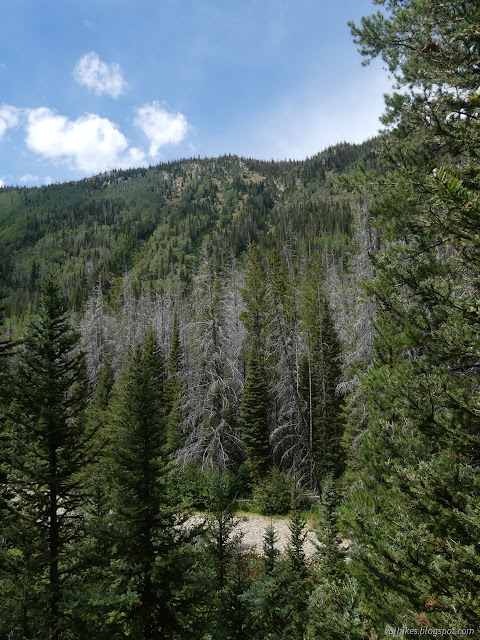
(414, 514)
(256, 403)
(222, 539)
(49, 448)
(8, 549)
(270, 552)
(150, 546)
(321, 373)
(173, 389)
(254, 417)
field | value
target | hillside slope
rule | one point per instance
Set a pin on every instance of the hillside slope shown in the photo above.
(156, 222)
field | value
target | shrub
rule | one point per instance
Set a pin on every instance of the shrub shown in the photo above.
(273, 494)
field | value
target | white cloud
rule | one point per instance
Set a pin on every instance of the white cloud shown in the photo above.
(47, 180)
(99, 76)
(306, 124)
(2, 183)
(90, 144)
(161, 127)
(28, 177)
(8, 118)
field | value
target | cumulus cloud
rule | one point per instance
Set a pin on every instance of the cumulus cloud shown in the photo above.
(28, 177)
(161, 127)
(90, 144)
(99, 76)
(2, 183)
(9, 117)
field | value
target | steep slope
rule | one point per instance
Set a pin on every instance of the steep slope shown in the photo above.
(156, 222)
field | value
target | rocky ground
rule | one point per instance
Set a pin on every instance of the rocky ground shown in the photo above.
(252, 527)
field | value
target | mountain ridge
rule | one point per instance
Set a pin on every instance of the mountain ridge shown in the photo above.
(157, 221)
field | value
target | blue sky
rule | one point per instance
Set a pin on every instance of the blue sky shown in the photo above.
(91, 85)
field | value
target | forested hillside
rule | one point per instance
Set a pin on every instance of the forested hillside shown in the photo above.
(158, 222)
(300, 338)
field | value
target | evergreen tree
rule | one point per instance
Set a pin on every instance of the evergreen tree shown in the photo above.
(150, 548)
(221, 522)
(321, 373)
(331, 556)
(173, 389)
(254, 417)
(256, 403)
(8, 551)
(97, 414)
(91, 586)
(414, 513)
(49, 447)
(270, 552)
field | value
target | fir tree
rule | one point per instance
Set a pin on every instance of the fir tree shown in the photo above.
(270, 552)
(49, 448)
(256, 403)
(321, 373)
(173, 389)
(254, 417)
(221, 523)
(149, 545)
(331, 556)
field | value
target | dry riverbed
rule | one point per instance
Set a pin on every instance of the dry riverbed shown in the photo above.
(252, 527)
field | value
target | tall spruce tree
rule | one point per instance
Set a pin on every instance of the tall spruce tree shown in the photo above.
(48, 448)
(173, 387)
(256, 402)
(414, 514)
(150, 546)
(254, 417)
(321, 373)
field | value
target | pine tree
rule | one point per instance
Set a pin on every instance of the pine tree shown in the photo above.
(8, 550)
(49, 448)
(414, 512)
(334, 607)
(221, 523)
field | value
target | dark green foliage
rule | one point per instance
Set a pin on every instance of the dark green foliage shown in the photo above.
(256, 402)
(270, 552)
(321, 373)
(233, 620)
(150, 550)
(331, 556)
(173, 387)
(277, 600)
(221, 522)
(414, 512)
(273, 494)
(97, 414)
(48, 448)
(254, 417)
(334, 611)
